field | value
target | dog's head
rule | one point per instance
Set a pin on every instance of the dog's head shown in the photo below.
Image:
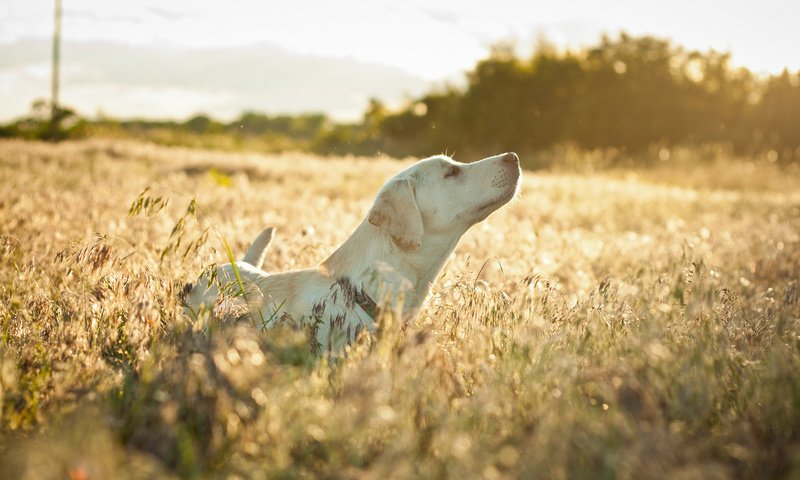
(440, 196)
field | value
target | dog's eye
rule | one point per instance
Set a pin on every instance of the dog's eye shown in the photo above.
(453, 171)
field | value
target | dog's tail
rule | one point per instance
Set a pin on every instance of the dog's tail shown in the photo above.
(258, 249)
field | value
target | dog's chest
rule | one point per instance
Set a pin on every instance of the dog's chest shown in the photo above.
(333, 315)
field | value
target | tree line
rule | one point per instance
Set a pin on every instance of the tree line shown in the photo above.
(626, 93)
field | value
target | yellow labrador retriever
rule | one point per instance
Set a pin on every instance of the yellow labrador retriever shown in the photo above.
(392, 257)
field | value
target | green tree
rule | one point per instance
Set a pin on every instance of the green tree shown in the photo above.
(777, 115)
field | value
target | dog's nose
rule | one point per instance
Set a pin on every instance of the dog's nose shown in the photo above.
(511, 157)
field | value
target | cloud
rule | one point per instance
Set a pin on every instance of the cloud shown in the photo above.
(171, 15)
(94, 17)
(125, 80)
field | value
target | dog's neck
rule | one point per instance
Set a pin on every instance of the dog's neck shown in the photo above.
(375, 264)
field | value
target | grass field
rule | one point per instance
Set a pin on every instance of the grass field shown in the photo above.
(621, 324)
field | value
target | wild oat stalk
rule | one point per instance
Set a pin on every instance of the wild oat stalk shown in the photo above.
(235, 267)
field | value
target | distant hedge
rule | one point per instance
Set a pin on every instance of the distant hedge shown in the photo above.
(628, 94)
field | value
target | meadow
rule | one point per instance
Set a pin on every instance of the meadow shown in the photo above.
(609, 323)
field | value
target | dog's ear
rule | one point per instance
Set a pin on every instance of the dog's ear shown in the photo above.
(396, 212)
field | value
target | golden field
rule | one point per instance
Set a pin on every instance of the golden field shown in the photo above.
(610, 324)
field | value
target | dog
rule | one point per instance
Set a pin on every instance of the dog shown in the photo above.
(390, 260)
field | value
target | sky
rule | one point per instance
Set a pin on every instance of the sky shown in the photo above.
(157, 59)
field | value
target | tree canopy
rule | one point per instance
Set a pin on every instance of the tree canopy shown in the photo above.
(627, 93)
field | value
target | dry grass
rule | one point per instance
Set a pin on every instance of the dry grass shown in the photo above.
(623, 325)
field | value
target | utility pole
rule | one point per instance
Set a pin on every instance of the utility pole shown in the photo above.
(55, 114)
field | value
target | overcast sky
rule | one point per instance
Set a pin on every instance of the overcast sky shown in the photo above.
(153, 58)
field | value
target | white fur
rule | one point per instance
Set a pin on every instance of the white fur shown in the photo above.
(258, 249)
(393, 256)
